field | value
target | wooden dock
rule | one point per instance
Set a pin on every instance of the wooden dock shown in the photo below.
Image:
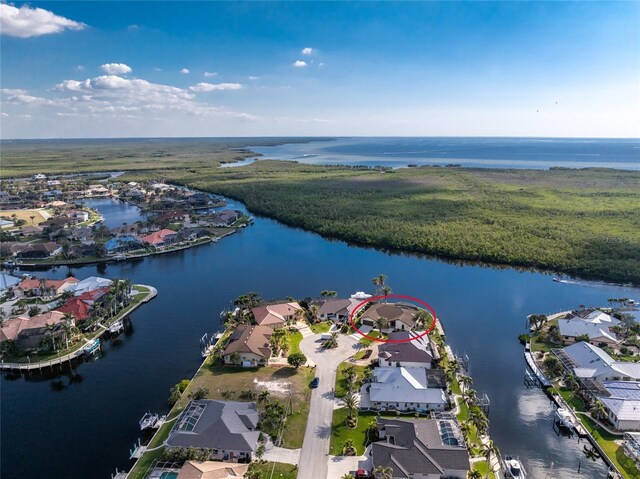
(528, 356)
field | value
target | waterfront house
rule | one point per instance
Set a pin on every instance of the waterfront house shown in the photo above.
(621, 400)
(89, 284)
(402, 389)
(63, 205)
(126, 230)
(122, 244)
(401, 317)
(592, 323)
(276, 315)
(30, 332)
(192, 234)
(7, 282)
(9, 249)
(78, 307)
(78, 215)
(46, 287)
(226, 217)
(83, 234)
(249, 346)
(335, 309)
(413, 352)
(421, 448)
(57, 222)
(171, 217)
(228, 429)
(212, 470)
(29, 231)
(39, 251)
(590, 363)
(162, 238)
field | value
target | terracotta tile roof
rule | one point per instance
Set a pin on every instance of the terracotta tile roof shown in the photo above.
(274, 313)
(158, 236)
(212, 470)
(77, 307)
(13, 327)
(34, 283)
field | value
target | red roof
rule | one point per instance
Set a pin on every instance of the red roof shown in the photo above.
(158, 236)
(77, 307)
(91, 296)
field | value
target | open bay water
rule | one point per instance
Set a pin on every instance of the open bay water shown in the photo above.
(532, 153)
(83, 427)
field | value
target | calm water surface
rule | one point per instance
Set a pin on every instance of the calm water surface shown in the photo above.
(536, 153)
(82, 427)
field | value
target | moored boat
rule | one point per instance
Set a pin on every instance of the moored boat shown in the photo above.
(513, 468)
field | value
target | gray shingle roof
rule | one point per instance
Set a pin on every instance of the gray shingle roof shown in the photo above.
(229, 425)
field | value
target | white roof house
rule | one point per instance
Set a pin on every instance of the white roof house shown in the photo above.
(402, 388)
(597, 332)
(593, 363)
(7, 281)
(89, 284)
(623, 404)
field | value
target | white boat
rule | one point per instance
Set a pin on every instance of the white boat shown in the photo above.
(513, 468)
(92, 346)
(149, 420)
(565, 418)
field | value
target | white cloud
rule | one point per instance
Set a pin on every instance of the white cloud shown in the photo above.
(21, 97)
(5, 114)
(25, 22)
(79, 68)
(185, 71)
(300, 64)
(254, 78)
(215, 86)
(307, 51)
(116, 68)
(156, 69)
(210, 74)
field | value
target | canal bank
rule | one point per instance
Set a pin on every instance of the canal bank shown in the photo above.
(484, 309)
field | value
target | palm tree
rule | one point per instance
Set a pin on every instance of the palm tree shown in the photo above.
(382, 323)
(487, 450)
(367, 374)
(465, 427)
(466, 381)
(349, 374)
(469, 397)
(347, 476)
(379, 282)
(474, 474)
(598, 410)
(278, 339)
(423, 318)
(349, 448)
(263, 397)
(314, 313)
(479, 419)
(351, 403)
(50, 330)
(383, 472)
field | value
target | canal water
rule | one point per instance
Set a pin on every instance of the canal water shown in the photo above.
(81, 426)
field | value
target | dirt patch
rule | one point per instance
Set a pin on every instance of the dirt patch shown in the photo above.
(277, 388)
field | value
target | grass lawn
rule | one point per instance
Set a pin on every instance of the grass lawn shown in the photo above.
(319, 328)
(341, 382)
(482, 467)
(575, 402)
(293, 340)
(225, 382)
(340, 433)
(279, 469)
(40, 215)
(613, 451)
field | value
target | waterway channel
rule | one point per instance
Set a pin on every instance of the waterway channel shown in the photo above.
(81, 426)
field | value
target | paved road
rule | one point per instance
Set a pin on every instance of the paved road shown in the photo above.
(314, 456)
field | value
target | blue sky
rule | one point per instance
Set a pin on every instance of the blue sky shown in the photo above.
(90, 69)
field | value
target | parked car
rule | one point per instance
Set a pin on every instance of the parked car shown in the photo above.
(363, 474)
(315, 382)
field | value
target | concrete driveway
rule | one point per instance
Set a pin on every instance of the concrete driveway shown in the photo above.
(314, 456)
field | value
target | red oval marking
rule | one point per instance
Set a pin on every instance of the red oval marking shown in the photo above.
(396, 296)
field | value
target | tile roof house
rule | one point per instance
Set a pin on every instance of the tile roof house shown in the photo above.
(622, 403)
(48, 287)
(30, 332)
(226, 217)
(77, 307)
(421, 448)
(402, 389)
(399, 316)
(212, 470)
(251, 343)
(417, 352)
(122, 244)
(229, 429)
(126, 230)
(335, 308)
(159, 239)
(591, 362)
(275, 315)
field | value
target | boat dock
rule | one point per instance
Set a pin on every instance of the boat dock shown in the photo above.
(531, 362)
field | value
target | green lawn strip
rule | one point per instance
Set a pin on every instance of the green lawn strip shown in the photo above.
(572, 400)
(279, 469)
(319, 328)
(615, 452)
(482, 467)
